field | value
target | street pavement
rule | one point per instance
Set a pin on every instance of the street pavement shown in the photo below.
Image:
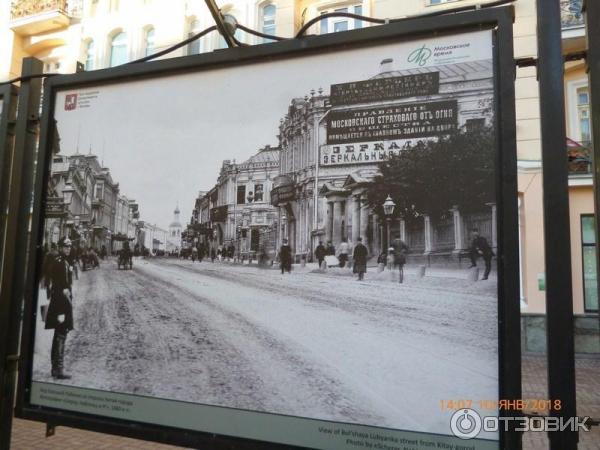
(118, 324)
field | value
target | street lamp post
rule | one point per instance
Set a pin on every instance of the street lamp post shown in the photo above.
(388, 210)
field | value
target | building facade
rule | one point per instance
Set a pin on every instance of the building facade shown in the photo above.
(237, 211)
(321, 191)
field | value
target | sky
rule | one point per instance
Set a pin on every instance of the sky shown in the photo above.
(165, 139)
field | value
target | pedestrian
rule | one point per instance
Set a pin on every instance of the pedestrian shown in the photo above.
(344, 250)
(480, 247)
(285, 257)
(194, 254)
(213, 255)
(330, 249)
(46, 265)
(320, 253)
(359, 256)
(400, 249)
(60, 310)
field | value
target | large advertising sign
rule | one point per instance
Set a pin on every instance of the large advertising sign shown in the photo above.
(213, 337)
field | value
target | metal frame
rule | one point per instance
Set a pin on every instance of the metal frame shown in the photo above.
(13, 288)
(8, 95)
(592, 21)
(498, 19)
(557, 237)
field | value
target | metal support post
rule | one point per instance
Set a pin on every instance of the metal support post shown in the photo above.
(13, 278)
(557, 238)
(592, 21)
(218, 17)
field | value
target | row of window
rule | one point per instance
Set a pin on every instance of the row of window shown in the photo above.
(256, 196)
(118, 49)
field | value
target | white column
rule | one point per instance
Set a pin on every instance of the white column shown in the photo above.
(428, 233)
(337, 222)
(355, 218)
(364, 222)
(402, 230)
(458, 234)
(494, 242)
(328, 221)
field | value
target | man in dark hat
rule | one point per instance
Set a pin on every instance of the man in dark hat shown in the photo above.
(60, 310)
(285, 257)
(320, 253)
(480, 247)
(360, 259)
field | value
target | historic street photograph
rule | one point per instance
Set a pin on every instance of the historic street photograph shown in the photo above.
(310, 237)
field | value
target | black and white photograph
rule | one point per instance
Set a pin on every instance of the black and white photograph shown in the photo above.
(311, 237)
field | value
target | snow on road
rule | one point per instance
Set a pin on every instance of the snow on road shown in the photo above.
(304, 344)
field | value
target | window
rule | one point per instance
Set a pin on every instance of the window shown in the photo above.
(118, 49)
(268, 21)
(193, 48)
(583, 114)
(241, 194)
(438, 2)
(335, 24)
(99, 191)
(588, 242)
(258, 193)
(149, 41)
(90, 54)
(474, 124)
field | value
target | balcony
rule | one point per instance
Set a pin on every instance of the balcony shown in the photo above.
(30, 17)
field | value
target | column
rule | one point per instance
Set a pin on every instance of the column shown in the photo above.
(328, 221)
(458, 234)
(355, 218)
(364, 222)
(337, 222)
(428, 233)
(376, 240)
(494, 242)
(402, 230)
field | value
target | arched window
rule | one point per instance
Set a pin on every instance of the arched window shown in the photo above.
(118, 49)
(149, 41)
(90, 54)
(194, 47)
(268, 20)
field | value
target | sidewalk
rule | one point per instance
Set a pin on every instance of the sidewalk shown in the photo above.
(31, 435)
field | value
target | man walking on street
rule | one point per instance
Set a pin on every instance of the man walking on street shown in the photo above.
(360, 259)
(480, 247)
(320, 253)
(400, 249)
(285, 257)
(60, 311)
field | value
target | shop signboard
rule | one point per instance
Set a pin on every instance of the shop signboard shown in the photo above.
(223, 354)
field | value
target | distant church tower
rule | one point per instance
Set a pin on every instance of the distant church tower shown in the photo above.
(175, 228)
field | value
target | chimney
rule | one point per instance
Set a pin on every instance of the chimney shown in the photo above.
(387, 65)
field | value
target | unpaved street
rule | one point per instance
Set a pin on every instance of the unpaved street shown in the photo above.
(305, 344)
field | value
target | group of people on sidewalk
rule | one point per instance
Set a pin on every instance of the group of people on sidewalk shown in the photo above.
(398, 251)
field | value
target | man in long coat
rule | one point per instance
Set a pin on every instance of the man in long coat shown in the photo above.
(360, 259)
(320, 253)
(285, 257)
(60, 311)
(480, 247)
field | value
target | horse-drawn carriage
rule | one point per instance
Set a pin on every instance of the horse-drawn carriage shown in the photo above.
(125, 257)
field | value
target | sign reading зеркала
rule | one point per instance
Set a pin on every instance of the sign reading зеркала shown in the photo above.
(392, 122)
(381, 89)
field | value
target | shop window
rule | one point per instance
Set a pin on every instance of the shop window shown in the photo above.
(241, 194)
(474, 124)
(268, 21)
(335, 24)
(589, 248)
(90, 54)
(118, 49)
(149, 44)
(258, 193)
